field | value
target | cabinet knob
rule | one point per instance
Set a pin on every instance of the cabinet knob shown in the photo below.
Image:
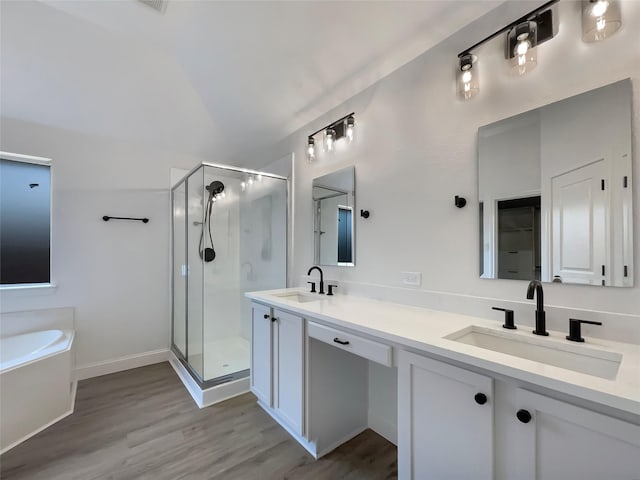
(274, 319)
(266, 316)
(480, 398)
(524, 416)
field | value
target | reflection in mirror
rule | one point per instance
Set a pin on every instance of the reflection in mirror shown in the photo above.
(555, 192)
(333, 205)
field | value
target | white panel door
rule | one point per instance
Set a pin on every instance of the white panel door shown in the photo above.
(261, 349)
(579, 225)
(289, 365)
(562, 441)
(445, 429)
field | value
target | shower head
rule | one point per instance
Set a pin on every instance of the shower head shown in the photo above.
(214, 188)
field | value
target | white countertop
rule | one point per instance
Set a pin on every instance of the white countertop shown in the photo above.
(423, 329)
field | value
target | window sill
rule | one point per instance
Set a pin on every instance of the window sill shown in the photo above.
(28, 289)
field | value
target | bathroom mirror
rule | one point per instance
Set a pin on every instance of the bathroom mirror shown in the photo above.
(555, 191)
(333, 207)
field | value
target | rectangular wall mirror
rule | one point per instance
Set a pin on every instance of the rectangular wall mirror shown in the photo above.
(333, 222)
(555, 191)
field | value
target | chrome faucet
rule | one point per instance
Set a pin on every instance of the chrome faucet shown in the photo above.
(541, 325)
(321, 291)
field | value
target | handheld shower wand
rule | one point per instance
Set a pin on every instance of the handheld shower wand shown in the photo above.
(208, 254)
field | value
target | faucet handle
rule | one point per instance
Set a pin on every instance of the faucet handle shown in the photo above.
(508, 318)
(575, 334)
(331, 287)
(313, 287)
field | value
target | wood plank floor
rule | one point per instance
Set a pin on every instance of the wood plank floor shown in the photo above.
(142, 424)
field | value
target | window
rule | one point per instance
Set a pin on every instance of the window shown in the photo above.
(25, 220)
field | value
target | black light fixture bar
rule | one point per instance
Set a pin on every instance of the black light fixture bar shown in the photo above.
(334, 123)
(529, 16)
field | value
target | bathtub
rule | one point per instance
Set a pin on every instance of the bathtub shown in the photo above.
(36, 384)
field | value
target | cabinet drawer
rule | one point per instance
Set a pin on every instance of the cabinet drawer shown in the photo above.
(377, 352)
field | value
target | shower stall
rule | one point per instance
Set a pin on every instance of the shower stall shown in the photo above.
(229, 236)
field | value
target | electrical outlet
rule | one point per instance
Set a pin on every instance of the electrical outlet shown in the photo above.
(412, 278)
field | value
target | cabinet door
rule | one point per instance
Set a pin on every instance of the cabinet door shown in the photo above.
(569, 442)
(261, 357)
(443, 432)
(289, 365)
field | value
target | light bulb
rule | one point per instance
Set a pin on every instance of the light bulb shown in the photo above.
(250, 180)
(243, 185)
(259, 177)
(224, 194)
(599, 8)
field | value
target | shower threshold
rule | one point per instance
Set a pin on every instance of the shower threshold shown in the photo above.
(226, 361)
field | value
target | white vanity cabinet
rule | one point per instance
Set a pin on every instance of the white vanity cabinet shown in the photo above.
(445, 421)
(261, 353)
(564, 441)
(277, 364)
(446, 430)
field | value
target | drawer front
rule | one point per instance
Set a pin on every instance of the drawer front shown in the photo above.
(377, 352)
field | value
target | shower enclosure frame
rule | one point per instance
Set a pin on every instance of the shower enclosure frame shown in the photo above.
(183, 358)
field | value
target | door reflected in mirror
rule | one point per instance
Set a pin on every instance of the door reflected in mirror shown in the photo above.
(555, 192)
(333, 230)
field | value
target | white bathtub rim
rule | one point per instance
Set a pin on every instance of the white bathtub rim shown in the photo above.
(64, 344)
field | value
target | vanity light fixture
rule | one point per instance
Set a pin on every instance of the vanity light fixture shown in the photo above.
(523, 37)
(342, 128)
(468, 85)
(600, 19)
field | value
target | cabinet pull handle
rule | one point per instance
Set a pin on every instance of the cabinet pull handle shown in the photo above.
(524, 416)
(480, 398)
(266, 315)
(274, 319)
(341, 342)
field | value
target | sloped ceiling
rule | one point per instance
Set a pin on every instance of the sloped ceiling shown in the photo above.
(210, 78)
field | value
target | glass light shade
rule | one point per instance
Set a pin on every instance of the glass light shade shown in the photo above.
(349, 130)
(329, 139)
(311, 149)
(522, 41)
(468, 84)
(600, 19)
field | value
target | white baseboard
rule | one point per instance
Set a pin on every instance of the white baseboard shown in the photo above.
(120, 364)
(383, 427)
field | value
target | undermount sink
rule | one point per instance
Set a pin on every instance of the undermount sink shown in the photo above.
(579, 358)
(298, 297)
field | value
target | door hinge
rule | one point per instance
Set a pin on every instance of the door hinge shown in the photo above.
(626, 271)
(603, 270)
(625, 181)
(602, 184)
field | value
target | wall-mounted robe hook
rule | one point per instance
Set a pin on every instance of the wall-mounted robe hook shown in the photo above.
(364, 213)
(460, 201)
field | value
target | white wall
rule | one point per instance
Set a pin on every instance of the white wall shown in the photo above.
(115, 274)
(416, 148)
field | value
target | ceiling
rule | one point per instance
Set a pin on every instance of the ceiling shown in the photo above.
(210, 78)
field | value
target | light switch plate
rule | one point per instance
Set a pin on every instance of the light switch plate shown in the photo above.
(412, 278)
